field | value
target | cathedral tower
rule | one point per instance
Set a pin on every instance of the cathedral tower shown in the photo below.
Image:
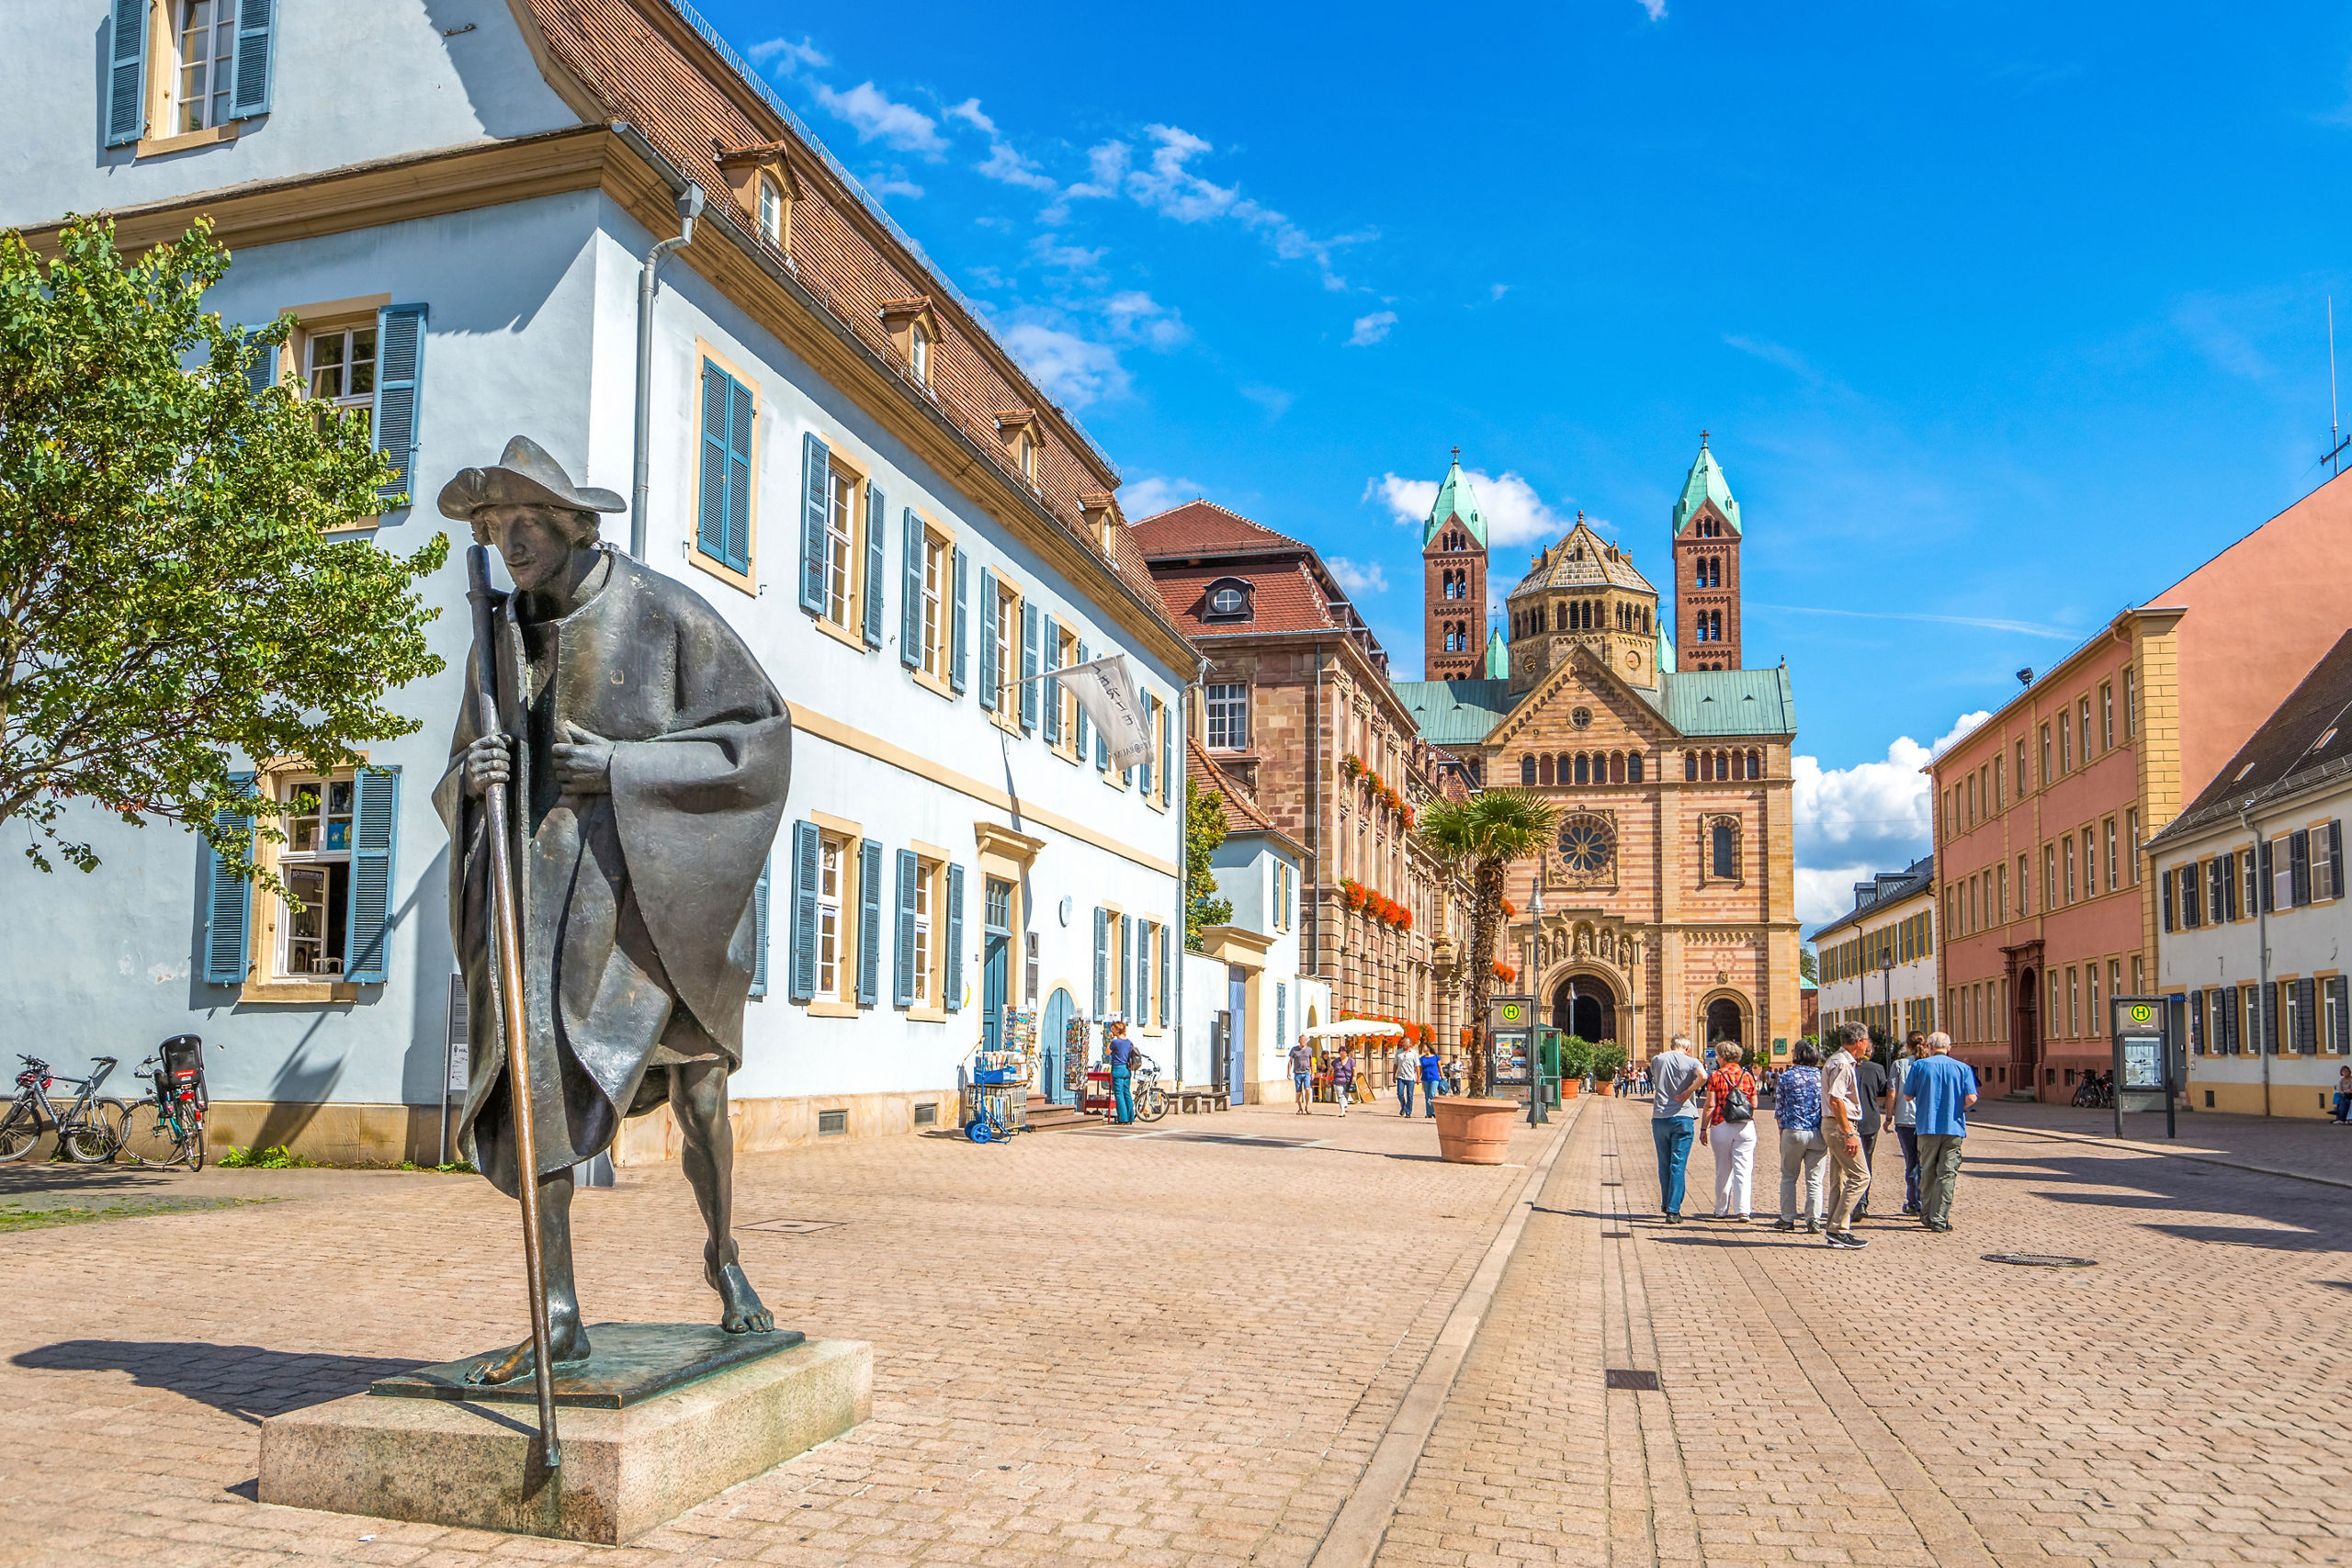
(1706, 569)
(1454, 582)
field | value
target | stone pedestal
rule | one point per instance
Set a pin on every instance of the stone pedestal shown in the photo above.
(683, 1416)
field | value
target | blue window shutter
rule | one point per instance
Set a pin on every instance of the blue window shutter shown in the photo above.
(875, 511)
(737, 552)
(760, 929)
(902, 985)
(374, 826)
(1164, 987)
(1166, 753)
(805, 848)
(399, 376)
(987, 639)
(910, 594)
(1101, 960)
(1143, 774)
(960, 638)
(869, 922)
(710, 507)
(127, 83)
(262, 374)
(1143, 972)
(1127, 967)
(251, 95)
(816, 494)
(1282, 1014)
(1101, 754)
(1028, 666)
(1085, 724)
(954, 986)
(227, 900)
(1050, 658)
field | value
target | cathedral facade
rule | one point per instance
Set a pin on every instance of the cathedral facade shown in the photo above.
(1665, 903)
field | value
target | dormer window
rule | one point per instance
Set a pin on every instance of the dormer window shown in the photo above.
(1018, 429)
(919, 353)
(771, 211)
(913, 331)
(1024, 456)
(1228, 600)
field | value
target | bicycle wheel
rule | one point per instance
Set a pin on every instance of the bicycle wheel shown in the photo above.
(196, 1146)
(149, 1138)
(19, 1133)
(93, 1139)
(1152, 1104)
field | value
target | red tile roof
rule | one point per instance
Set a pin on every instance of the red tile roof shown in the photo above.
(1241, 812)
(1283, 597)
(1202, 527)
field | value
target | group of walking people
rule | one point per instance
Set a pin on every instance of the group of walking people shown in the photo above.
(1343, 1073)
(1826, 1111)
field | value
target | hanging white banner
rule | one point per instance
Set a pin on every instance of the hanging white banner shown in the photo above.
(1107, 692)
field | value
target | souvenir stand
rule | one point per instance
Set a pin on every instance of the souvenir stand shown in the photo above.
(996, 1099)
(1096, 1099)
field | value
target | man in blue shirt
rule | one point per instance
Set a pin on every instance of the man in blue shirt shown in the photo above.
(1122, 1053)
(1940, 1091)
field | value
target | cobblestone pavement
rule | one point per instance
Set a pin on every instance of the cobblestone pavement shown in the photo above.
(2308, 1144)
(2185, 1401)
(1171, 1348)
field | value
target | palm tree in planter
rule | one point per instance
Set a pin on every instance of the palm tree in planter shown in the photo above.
(1482, 836)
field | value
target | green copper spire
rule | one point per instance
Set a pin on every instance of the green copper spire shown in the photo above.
(1454, 499)
(1705, 482)
(1497, 657)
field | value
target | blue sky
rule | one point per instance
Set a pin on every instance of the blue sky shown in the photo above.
(2002, 316)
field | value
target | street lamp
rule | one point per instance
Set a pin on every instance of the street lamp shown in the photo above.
(1886, 968)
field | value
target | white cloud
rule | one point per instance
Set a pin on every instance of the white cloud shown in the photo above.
(1854, 822)
(1009, 167)
(1770, 353)
(786, 56)
(1358, 579)
(1167, 184)
(1075, 371)
(1073, 259)
(1135, 317)
(1371, 329)
(1152, 495)
(1657, 8)
(875, 118)
(968, 111)
(1273, 399)
(895, 183)
(1515, 513)
(1494, 291)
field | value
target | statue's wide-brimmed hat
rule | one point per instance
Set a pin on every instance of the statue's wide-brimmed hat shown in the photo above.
(523, 476)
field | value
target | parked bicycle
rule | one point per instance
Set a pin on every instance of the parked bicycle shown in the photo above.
(2096, 1092)
(1144, 1092)
(89, 1130)
(167, 1127)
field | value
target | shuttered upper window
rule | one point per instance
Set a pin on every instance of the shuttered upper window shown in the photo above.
(185, 73)
(726, 503)
(336, 861)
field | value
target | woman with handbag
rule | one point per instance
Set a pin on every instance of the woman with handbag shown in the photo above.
(1727, 1124)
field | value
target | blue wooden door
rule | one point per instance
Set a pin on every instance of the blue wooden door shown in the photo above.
(996, 960)
(1053, 1051)
(1237, 1039)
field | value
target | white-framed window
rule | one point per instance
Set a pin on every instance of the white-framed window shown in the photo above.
(315, 864)
(771, 211)
(841, 548)
(1066, 696)
(342, 371)
(832, 857)
(1004, 630)
(1228, 713)
(938, 564)
(919, 353)
(205, 34)
(1025, 455)
(926, 875)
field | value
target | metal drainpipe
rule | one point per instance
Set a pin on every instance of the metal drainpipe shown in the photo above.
(2262, 939)
(689, 205)
(1193, 696)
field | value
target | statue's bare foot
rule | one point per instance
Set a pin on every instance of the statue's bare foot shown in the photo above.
(742, 1310)
(567, 1341)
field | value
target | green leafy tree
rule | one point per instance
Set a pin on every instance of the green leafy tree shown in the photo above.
(1481, 837)
(168, 591)
(1205, 829)
(1808, 967)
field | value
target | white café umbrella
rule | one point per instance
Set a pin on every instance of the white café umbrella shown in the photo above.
(1352, 1026)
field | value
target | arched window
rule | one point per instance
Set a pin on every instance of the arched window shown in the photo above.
(1690, 765)
(1617, 767)
(1228, 599)
(1724, 852)
(1634, 768)
(1723, 765)
(1527, 770)
(1583, 774)
(918, 354)
(1546, 768)
(1559, 617)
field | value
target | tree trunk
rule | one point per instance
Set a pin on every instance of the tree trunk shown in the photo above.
(1487, 884)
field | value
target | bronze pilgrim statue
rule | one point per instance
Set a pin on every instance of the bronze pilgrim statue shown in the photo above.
(648, 757)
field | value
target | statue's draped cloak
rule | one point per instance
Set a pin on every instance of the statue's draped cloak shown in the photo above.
(636, 906)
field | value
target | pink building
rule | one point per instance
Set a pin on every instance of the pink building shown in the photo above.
(2049, 909)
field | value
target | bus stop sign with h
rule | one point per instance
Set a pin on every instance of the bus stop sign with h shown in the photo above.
(2148, 1068)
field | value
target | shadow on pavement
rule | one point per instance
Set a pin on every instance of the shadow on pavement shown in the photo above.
(243, 1381)
(2297, 1217)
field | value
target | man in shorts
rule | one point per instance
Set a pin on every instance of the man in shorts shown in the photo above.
(1302, 1074)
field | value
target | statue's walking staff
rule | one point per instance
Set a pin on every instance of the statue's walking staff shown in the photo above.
(506, 977)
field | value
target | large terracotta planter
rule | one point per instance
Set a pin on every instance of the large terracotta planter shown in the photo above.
(1603, 1087)
(1476, 1132)
(1570, 1089)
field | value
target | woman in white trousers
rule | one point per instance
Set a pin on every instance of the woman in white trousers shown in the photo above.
(1733, 1139)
